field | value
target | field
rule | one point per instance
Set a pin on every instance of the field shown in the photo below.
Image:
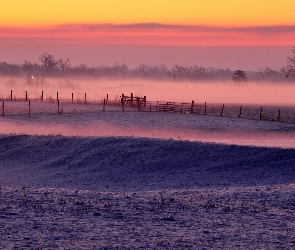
(145, 180)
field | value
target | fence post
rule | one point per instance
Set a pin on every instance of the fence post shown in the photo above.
(122, 102)
(56, 95)
(138, 103)
(104, 104)
(144, 101)
(260, 116)
(192, 107)
(72, 97)
(3, 109)
(240, 111)
(150, 107)
(107, 99)
(205, 108)
(279, 115)
(29, 107)
(222, 110)
(57, 106)
(26, 95)
(131, 99)
(10, 95)
(85, 98)
(42, 96)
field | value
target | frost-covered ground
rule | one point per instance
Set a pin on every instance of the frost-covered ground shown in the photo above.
(126, 180)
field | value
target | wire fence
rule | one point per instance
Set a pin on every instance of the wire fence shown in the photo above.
(78, 97)
(33, 102)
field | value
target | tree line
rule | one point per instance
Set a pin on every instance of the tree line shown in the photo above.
(49, 66)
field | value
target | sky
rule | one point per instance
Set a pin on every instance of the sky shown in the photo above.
(213, 33)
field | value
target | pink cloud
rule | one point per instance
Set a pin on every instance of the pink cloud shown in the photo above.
(152, 34)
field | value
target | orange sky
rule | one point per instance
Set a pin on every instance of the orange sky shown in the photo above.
(174, 23)
(189, 12)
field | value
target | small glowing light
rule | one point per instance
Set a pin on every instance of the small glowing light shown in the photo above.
(32, 77)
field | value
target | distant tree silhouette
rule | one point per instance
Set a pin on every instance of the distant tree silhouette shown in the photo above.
(63, 64)
(268, 73)
(239, 75)
(50, 64)
(289, 69)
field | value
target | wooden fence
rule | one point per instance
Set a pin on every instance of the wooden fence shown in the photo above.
(267, 113)
(13, 104)
(159, 106)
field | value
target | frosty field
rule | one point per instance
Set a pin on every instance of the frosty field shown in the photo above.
(145, 180)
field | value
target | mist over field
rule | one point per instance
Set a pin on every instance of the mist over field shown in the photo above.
(252, 92)
(158, 83)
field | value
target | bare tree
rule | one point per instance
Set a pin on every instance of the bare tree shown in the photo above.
(48, 62)
(289, 69)
(267, 72)
(63, 64)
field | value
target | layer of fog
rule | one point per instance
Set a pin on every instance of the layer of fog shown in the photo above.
(200, 92)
